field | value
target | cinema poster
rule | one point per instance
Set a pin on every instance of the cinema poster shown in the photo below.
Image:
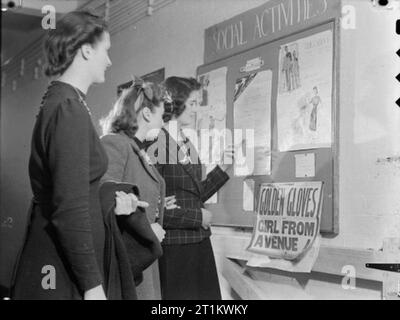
(288, 219)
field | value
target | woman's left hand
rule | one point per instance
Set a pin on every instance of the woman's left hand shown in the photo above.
(127, 203)
(170, 203)
(158, 231)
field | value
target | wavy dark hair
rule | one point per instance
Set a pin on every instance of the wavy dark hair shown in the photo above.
(73, 30)
(123, 116)
(179, 90)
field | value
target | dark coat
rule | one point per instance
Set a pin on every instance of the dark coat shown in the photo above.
(131, 245)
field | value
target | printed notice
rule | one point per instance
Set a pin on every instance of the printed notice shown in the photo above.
(252, 111)
(213, 199)
(248, 195)
(305, 165)
(210, 116)
(288, 219)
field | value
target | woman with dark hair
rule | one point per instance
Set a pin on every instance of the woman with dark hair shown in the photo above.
(135, 117)
(187, 267)
(62, 257)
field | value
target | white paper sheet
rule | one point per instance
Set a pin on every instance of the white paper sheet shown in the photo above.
(304, 265)
(252, 111)
(214, 198)
(248, 195)
(305, 165)
(211, 115)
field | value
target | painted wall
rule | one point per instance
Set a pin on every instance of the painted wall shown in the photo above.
(369, 129)
(14, 41)
(173, 38)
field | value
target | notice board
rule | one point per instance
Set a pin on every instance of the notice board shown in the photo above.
(257, 41)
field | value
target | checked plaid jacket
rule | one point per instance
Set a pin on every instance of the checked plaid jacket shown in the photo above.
(183, 179)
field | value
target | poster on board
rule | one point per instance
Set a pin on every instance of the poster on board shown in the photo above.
(288, 219)
(210, 119)
(304, 103)
(211, 113)
(252, 111)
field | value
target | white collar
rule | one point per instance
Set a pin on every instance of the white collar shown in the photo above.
(172, 129)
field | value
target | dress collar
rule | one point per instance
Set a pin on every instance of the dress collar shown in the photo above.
(172, 128)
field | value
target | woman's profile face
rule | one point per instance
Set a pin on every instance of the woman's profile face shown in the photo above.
(155, 122)
(100, 60)
(187, 117)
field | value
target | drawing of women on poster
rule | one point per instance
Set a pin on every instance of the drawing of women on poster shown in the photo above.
(290, 68)
(304, 104)
(205, 82)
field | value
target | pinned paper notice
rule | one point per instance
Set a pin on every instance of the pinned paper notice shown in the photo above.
(213, 199)
(248, 195)
(252, 65)
(305, 165)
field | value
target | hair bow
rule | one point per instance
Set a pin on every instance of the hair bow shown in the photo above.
(143, 90)
(143, 86)
(167, 97)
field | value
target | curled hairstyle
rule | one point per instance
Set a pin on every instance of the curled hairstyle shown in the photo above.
(74, 30)
(123, 116)
(179, 90)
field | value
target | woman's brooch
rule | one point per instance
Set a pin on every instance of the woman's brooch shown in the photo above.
(146, 157)
(186, 158)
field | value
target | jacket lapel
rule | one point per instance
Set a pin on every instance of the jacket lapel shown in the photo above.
(188, 168)
(143, 159)
(153, 172)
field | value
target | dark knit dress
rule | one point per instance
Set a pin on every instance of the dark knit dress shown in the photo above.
(66, 232)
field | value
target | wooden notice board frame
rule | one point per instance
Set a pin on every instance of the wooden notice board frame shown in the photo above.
(228, 211)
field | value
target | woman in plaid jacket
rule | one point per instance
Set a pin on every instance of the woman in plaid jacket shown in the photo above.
(187, 268)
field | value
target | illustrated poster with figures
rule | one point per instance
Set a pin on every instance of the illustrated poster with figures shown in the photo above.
(304, 104)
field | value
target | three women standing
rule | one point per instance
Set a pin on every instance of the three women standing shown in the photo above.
(66, 234)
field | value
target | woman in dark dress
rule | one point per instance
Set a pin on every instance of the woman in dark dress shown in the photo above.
(62, 257)
(187, 267)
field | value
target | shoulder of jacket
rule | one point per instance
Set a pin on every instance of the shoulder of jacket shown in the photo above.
(116, 139)
(60, 97)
